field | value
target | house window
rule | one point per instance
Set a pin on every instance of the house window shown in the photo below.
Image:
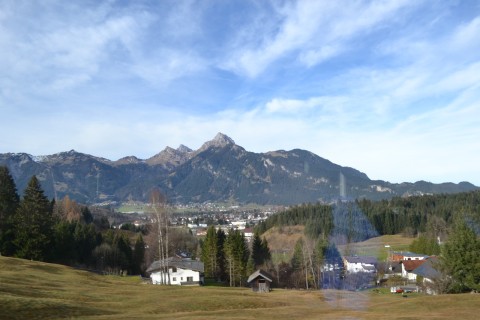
(174, 269)
(181, 278)
(174, 279)
(189, 279)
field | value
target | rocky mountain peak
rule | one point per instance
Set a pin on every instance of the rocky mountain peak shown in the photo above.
(184, 149)
(170, 157)
(223, 139)
(220, 140)
(128, 160)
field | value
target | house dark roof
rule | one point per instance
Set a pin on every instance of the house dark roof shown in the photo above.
(428, 269)
(361, 259)
(259, 273)
(178, 263)
(410, 265)
(396, 266)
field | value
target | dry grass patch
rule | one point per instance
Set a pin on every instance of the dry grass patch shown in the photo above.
(376, 246)
(33, 290)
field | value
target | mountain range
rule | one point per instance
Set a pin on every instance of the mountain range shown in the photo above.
(219, 170)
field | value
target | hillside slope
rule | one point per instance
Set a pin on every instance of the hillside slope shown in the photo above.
(34, 290)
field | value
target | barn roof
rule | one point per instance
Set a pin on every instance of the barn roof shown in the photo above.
(259, 273)
(178, 263)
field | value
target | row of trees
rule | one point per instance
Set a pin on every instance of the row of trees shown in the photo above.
(444, 225)
(229, 258)
(64, 232)
(413, 214)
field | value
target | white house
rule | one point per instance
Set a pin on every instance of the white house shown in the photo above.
(181, 271)
(354, 264)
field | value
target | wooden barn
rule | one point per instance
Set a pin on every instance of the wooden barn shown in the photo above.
(260, 281)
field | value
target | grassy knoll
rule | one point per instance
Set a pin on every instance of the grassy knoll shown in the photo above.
(376, 246)
(33, 290)
(281, 241)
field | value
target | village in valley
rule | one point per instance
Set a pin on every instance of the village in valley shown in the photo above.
(400, 272)
(259, 159)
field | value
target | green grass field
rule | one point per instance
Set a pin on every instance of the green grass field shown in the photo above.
(376, 246)
(34, 290)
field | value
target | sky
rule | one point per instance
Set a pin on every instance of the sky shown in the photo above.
(391, 88)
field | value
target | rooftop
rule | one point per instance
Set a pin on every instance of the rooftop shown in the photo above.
(361, 259)
(411, 265)
(259, 273)
(178, 263)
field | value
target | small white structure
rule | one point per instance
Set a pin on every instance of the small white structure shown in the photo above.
(355, 264)
(248, 233)
(180, 271)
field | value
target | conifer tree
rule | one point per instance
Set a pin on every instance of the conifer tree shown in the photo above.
(138, 255)
(265, 250)
(34, 223)
(236, 256)
(210, 252)
(220, 272)
(461, 259)
(8, 205)
(257, 250)
(260, 252)
(250, 265)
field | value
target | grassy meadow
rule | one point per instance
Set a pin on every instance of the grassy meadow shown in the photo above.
(282, 241)
(34, 290)
(376, 246)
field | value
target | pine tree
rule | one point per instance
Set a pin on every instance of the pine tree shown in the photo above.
(236, 255)
(138, 255)
(8, 205)
(250, 265)
(257, 250)
(265, 250)
(64, 242)
(461, 259)
(34, 223)
(122, 242)
(210, 252)
(426, 245)
(319, 257)
(220, 272)
(85, 238)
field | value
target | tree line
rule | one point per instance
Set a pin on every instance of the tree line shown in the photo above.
(446, 225)
(33, 227)
(228, 258)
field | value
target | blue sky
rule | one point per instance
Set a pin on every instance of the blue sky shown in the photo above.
(391, 88)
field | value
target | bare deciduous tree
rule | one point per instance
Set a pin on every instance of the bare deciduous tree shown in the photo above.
(160, 216)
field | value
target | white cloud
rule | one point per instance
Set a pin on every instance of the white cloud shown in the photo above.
(314, 31)
(400, 103)
(164, 66)
(60, 53)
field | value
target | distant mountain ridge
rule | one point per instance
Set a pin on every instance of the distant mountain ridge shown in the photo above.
(219, 170)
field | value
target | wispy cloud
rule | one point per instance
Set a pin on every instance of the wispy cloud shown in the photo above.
(312, 31)
(391, 88)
